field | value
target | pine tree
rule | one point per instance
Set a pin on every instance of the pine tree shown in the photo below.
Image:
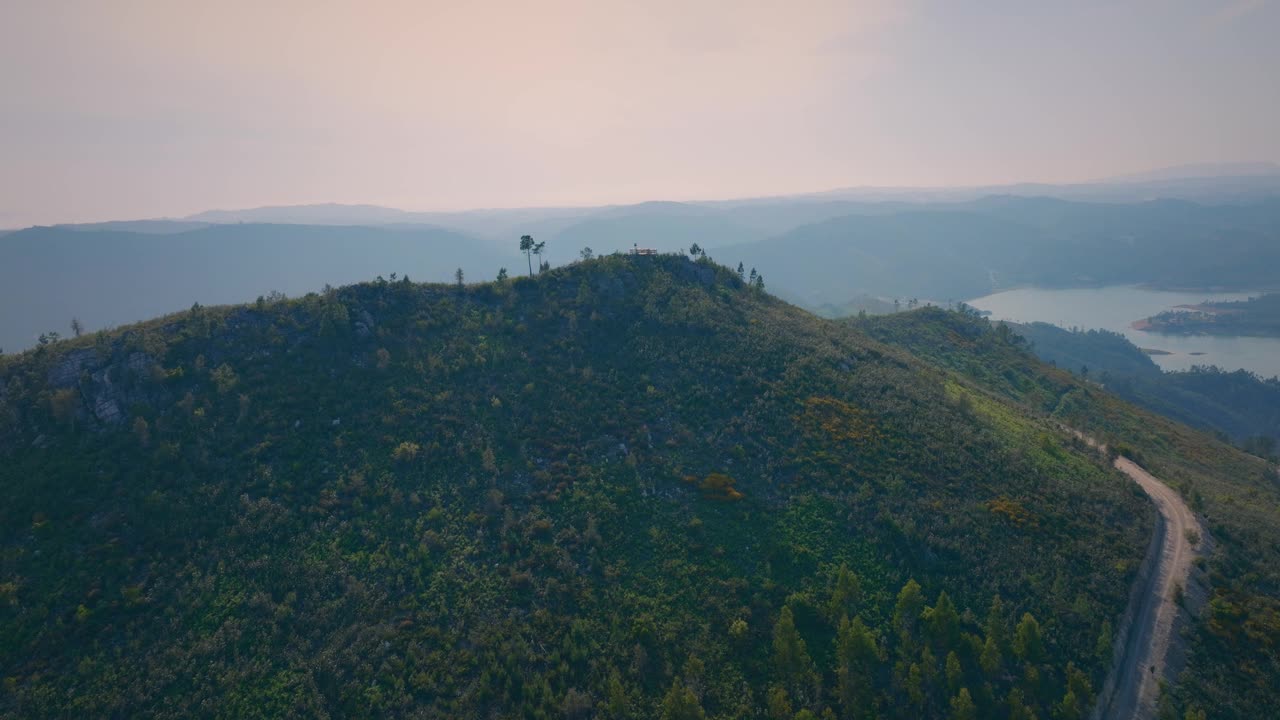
(962, 707)
(681, 704)
(943, 622)
(1069, 708)
(790, 656)
(996, 628)
(1018, 709)
(1027, 643)
(526, 247)
(906, 616)
(1102, 648)
(991, 660)
(619, 708)
(955, 673)
(845, 591)
(858, 660)
(778, 704)
(915, 685)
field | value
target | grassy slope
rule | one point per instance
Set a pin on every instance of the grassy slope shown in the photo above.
(1234, 666)
(498, 500)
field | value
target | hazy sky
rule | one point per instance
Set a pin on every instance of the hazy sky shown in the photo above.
(143, 108)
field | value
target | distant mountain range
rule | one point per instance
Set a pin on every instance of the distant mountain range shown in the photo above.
(819, 250)
(1200, 171)
(109, 277)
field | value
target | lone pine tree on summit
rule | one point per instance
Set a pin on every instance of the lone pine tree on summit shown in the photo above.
(526, 247)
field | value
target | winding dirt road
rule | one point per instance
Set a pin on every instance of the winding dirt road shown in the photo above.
(1133, 687)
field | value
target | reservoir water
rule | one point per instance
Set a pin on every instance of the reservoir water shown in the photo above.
(1115, 308)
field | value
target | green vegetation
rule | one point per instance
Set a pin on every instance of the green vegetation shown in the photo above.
(1101, 351)
(631, 487)
(1233, 662)
(1258, 316)
(1238, 406)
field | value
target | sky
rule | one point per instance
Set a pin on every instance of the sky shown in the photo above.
(148, 108)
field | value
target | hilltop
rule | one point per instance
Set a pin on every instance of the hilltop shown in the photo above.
(629, 487)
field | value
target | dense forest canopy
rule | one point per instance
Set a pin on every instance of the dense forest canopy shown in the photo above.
(634, 487)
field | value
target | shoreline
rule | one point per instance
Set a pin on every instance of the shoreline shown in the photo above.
(1149, 287)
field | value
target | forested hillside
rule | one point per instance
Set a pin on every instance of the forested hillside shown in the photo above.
(1239, 405)
(1233, 654)
(633, 487)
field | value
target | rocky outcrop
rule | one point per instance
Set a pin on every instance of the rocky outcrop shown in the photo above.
(108, 386)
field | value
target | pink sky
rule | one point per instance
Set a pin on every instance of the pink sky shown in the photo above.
(143, 108)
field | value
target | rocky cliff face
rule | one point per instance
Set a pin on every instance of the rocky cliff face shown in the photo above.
(93, 388)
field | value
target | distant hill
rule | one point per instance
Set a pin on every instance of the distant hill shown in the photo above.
(112, 277)
(928, 254)
(153, 227)
(667, 227)
(320, 214)
(1201, 171)
(1237, 405)
(495, 224)
(1258, 316)
(1102, 351)
(970, 249)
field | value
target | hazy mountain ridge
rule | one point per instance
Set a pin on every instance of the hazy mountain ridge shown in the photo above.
(819, 251)
(105, 278)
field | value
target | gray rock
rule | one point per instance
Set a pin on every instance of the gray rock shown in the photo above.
(140, 363)
(365, 324)
(107, 410)
(66, 372)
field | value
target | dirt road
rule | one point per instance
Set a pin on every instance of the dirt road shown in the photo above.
(1134, 685)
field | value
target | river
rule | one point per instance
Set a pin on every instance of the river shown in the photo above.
(1115, 308)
